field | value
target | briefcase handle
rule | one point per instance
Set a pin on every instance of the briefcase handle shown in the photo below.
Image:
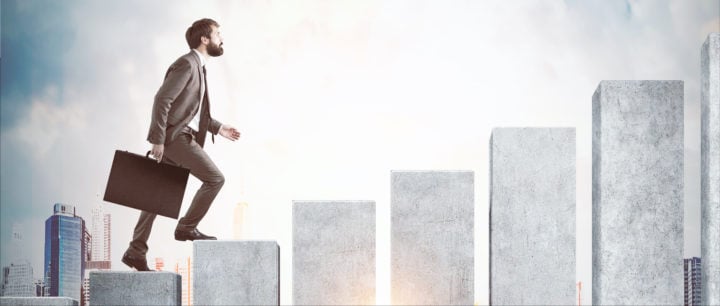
(147, 155)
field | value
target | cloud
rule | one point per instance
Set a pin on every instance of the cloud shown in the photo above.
(47, 120)
(35, 38)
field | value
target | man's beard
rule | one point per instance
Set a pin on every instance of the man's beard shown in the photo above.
(215, 50)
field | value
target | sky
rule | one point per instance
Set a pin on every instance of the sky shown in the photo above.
(330, 97)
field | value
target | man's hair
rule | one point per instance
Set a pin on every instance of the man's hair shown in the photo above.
(200, 28)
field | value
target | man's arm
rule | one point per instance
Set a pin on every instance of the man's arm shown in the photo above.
(215, 126)
(175, 81)
(224, 130)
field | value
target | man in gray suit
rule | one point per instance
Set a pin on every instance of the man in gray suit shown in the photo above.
(180, 121)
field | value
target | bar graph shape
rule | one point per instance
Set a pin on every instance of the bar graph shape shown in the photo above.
(710, 165)
(638, 192)
(432, 251)
(236, 272)
(334, 253)
(532, 216)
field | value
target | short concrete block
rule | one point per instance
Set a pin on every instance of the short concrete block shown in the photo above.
(236, 272)
(135, 288)
(710, 180)
(334, 253)
(432, 251)
(38, 301)
(638, 196)
(532, 216)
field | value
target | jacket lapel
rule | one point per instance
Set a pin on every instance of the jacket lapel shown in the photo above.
(198, 66)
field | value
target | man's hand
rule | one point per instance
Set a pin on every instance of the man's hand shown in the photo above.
(157, 151)
(229, 132)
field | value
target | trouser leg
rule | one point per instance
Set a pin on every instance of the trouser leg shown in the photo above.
(187, 153)
(138, 246)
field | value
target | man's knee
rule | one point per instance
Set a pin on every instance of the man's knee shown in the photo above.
(217, 180)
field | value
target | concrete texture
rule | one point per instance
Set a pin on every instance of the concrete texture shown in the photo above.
(334, 253)
(532, 216)
(638, 193)
(710, 181)
(134, 288)
(240, 272)
(432, 252)
(38, 301)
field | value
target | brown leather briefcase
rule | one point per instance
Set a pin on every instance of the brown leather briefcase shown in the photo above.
(141, 182)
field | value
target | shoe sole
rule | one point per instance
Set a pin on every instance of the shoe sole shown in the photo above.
(185, 239)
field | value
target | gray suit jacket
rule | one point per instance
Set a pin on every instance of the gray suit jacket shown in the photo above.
(178, 99)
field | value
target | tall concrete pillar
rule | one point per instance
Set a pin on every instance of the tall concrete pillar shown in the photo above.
(432, 238)
(710, 181)
(236, 272)
(638, 193)
(532, 216)
(334, 253)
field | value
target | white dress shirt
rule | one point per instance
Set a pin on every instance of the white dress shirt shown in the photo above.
(195, 122)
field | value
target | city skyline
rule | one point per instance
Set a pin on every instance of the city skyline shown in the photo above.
(60, 241)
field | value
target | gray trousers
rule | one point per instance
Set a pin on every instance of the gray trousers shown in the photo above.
(186, 152)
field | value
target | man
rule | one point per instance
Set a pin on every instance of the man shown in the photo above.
(180, 121)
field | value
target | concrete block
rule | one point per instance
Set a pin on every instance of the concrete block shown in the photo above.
(638, 201)
(38, 301)
(134, 288)
(334, 253)
(710, 180)
(432, 251)
(239, 272)
(532, 216)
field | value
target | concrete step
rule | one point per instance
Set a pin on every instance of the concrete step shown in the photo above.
(236, 272)
(38, 301)
(432, 229)
(532, 216)
(135, 288)
(333, 253)
(638, 193)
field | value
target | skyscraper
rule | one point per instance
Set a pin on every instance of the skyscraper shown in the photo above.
(693, 277)
(159, 264)
(101, 234)
(106, 238)
(184, 268)
(86, 289)
(66, 239)
(39, 286)
(99, 250)
(18, 280)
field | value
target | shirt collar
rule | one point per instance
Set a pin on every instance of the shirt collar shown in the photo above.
(202, 58)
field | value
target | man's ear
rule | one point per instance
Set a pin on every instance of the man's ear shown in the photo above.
(204, 40)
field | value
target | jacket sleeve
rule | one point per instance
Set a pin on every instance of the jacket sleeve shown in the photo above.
(175, 81)
(215, 126)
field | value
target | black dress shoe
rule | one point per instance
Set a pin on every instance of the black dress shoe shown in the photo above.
(192, 235)
(139, 263)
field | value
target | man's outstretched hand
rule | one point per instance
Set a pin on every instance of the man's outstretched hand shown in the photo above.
(229, 132)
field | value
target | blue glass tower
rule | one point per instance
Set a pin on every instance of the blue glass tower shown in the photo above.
(65, 246)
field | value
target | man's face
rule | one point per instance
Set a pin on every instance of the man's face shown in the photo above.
(214, 47)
